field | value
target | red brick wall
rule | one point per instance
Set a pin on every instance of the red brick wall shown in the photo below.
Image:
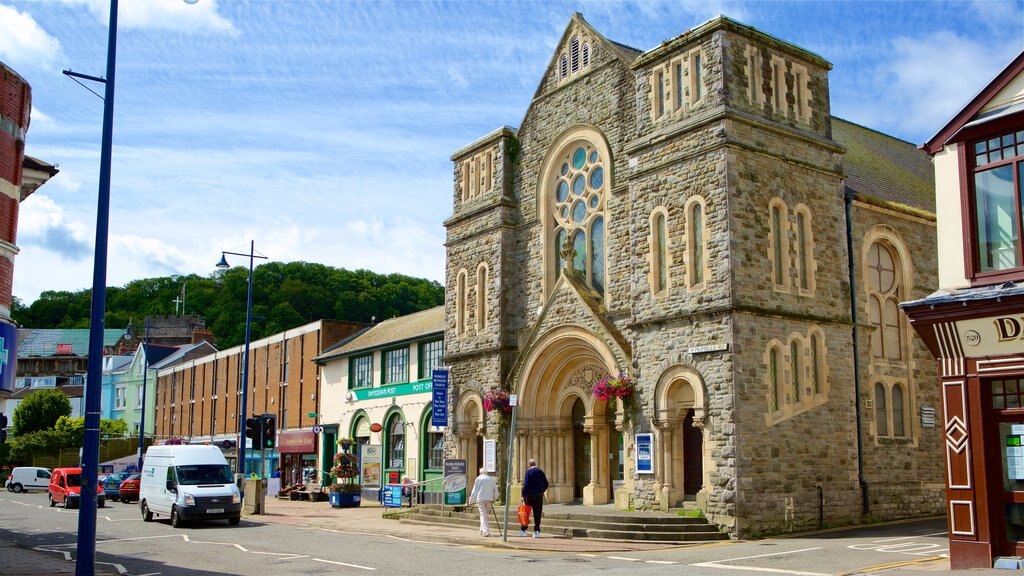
(15, 105)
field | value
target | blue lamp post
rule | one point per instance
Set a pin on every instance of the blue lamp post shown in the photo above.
(243, 412)
(145, 373)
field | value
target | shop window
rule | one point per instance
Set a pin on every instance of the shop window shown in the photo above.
(435, 450)
(396, 443)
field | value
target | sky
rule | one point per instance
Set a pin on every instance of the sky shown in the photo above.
(323, 130)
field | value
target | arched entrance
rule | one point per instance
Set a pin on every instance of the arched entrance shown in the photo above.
(469, 431)
(558, 421)
(680, 471)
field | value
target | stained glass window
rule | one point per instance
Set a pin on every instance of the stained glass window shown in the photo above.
(578, 208)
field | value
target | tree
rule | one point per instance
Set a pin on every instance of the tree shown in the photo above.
(40, 410)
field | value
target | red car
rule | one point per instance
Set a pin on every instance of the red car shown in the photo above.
(66, 487)
(129, 489)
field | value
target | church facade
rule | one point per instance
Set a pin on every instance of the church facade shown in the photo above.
(693, 224)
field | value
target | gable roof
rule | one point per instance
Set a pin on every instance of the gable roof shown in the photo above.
(974, 106)
(889, 169)
(184, 353)
(408, 328)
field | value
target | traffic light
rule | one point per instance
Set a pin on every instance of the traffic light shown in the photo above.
(254, 430)
(269, 437)
(3, 428)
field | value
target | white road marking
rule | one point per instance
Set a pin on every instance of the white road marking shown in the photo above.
(720, 564)
(623, 558)
(343, 564)
(660, 562)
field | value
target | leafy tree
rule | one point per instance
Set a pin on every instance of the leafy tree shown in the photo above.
(70, 432)
(40, 410)
(285, 295)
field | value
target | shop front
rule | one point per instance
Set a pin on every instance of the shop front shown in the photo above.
(977, 335)
(298, 457)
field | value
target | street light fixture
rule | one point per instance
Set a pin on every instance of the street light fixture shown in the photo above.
(223, 264)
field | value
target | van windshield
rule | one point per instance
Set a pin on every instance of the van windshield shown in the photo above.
(195, 474)
(74, 479)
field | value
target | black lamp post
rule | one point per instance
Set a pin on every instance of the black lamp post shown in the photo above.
(240, 465)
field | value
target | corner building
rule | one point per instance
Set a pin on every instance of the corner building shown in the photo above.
(694, 217)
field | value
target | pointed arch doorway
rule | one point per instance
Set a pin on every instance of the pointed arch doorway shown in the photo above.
(560, 424)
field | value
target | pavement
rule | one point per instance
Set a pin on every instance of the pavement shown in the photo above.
(369, 518)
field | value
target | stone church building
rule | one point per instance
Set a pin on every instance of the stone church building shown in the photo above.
(694, 218)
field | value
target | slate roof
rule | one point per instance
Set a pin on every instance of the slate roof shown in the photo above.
(183, 353)
(401, 329)
(43, 341)
(74, 391)
(886, 168)
(950, 295)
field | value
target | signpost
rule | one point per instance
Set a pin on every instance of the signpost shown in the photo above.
(490, 456)
(513, 401)
(454, 482)
(393, 496)
(439, 410)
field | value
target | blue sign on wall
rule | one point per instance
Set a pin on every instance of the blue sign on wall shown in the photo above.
(644, 454)
(439, 412)
(8, 355)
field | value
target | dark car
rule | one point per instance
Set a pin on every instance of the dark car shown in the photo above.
(112, 485)
(129, 489)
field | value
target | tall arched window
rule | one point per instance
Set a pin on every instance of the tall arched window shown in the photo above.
(816, 363)
(361, 430)
(433, 444)
(396, 442)
(883, 272)
(804, 250)
(773, 378)
(659, 256)
(481, 297)
(574, 50)
(898, 428)
(578, 193)
(779, 253)
(696, 243)
(794, 369)
(881, 411)
(460, 303)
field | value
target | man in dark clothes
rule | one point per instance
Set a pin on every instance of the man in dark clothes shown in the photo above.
(535, 483)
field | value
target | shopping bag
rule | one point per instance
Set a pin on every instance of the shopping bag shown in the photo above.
(524, 514)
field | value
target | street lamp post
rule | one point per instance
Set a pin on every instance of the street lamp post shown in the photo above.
(240, 464)
(145, 373)
(85, 562)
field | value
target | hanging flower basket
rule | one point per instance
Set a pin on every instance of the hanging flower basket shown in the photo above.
(613, 387)
(497, 399)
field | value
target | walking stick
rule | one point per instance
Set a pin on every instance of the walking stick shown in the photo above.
(496, 523)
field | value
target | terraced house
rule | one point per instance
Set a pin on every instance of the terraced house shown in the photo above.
(693, 218)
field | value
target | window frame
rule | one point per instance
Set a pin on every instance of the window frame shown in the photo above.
(386, 367)
(352, 365)
(968, 169)
(424, 363)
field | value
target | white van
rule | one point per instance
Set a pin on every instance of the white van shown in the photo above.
(188, 483)
(28, 478)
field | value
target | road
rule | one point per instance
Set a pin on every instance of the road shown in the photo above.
(127, 545)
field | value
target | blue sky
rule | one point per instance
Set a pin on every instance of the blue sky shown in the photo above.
(324, 130)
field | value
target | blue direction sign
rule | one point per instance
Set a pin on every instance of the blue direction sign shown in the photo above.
(439, 412)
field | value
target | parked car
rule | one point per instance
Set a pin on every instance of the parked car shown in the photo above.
(28, 478)
(188, 483)
(112, 485)
(129, 489)
(66, 488)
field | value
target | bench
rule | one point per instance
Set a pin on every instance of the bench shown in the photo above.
(311, 492)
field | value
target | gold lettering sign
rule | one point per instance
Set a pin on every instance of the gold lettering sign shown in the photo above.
(1009, 328)
(991, 336)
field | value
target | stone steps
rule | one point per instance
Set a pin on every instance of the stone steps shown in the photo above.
(646, 527)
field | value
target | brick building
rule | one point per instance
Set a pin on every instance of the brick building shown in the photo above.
(20, 176)
(694, 218)
(199, 400)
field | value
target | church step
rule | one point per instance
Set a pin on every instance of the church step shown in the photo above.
(607, 527)
(640, 518)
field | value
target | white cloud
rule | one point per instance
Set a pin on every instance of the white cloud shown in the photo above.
(43, 223)
(23, 42)
(173, 15)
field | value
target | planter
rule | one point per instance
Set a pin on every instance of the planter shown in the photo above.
(345, 499)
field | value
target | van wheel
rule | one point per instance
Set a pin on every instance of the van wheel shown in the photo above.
(17, 487)
(176, 518)
(52, 503)
(234, 520)
(101, 503)
(147, 515)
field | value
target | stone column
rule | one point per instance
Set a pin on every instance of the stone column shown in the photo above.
(668, 472)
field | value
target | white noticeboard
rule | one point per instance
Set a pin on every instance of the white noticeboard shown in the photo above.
(490, 456)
